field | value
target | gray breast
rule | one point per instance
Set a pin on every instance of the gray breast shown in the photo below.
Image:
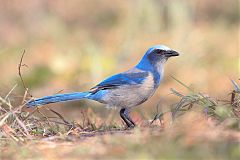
(131, 95)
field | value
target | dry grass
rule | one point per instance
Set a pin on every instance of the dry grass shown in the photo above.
(199, 127)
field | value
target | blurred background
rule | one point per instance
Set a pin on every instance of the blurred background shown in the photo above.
(73, 45)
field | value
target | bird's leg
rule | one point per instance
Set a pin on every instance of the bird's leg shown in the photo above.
(124, 113)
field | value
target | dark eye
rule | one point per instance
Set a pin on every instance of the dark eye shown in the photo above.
(159, 51)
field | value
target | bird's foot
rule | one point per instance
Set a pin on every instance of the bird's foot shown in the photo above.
(124, 113)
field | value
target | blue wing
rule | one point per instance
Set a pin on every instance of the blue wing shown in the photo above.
(121, 79)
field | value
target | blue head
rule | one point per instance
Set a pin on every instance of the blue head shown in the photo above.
(155, 57)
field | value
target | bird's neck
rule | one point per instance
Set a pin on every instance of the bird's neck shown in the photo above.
(157, 70)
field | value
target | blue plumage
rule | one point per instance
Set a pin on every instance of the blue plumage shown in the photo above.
(57, 98)
(123, 79)
(124, 90)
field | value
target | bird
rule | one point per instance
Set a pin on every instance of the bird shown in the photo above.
(125, 90)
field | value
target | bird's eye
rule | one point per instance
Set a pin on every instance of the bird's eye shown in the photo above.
(159, 51)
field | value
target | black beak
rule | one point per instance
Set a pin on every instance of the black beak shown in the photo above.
(171, 53)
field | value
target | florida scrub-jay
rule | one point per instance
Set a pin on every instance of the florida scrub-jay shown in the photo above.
(124, 90)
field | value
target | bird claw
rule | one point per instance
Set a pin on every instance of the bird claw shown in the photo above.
(124, 113)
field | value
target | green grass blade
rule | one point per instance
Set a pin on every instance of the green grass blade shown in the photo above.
(182, 84)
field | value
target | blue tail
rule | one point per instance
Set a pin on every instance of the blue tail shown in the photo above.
(57, 98)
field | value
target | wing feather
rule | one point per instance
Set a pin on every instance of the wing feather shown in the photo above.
(121, 79)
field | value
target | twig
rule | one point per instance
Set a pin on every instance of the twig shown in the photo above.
(10, 106)
(19, 69)
(5, 102)
(10, 91)
(22, 125)
(233, 98)
(24, 96)
(60, 116)
(30, 114)
(84, 118)
(59, 91)
(20, 74)
(156, 116)
(4, 118)
(61, 123)
(44, 116)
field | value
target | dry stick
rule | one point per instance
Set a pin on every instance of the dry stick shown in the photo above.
(13, 112)
(59, 91)
(84, 118)
(44, 116)
(234, 103)
(233, 98)
(53, 117)
(26, 89)
(3, 119)
(27, 134)
(20, 123)
(20, 74)
(24, 96)
(10, 91)
(3, 109)
(19, 69)
(60, 116)
(30, 114)
(59, 122)
(26, 92)
(20, 107)
(5, 102)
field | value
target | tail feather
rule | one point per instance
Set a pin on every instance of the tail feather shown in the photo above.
(57, 98)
